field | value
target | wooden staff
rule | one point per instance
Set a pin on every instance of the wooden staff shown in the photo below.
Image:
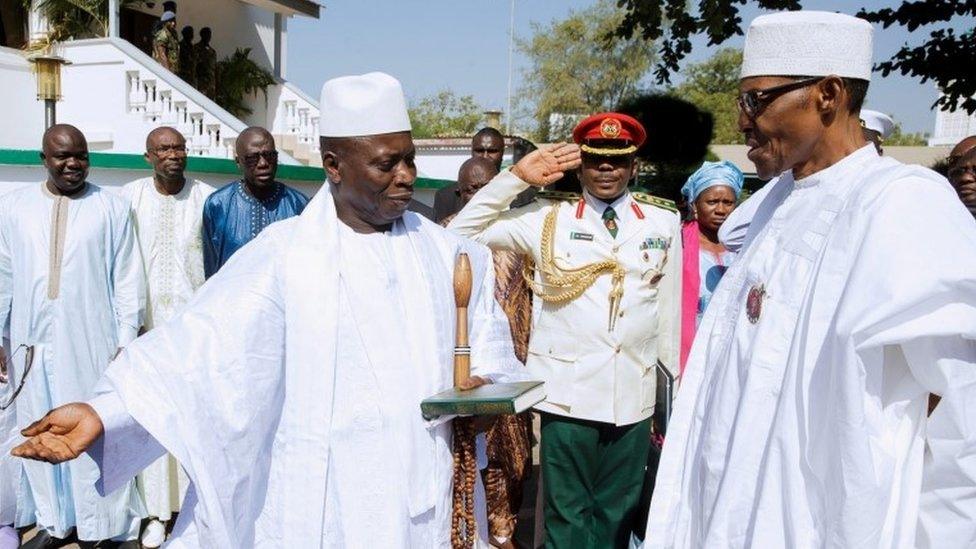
(463, 526)
(462, 295)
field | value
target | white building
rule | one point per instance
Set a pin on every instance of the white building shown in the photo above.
(952, 127)
(116, 93)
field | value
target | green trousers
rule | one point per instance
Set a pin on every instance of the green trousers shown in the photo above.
(592, 475)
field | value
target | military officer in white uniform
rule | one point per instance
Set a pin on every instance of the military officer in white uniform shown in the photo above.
(607, 275)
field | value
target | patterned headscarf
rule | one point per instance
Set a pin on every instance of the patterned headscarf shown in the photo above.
(711, 174)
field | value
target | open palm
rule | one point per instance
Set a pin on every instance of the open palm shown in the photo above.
(61, 435)
(546, 165)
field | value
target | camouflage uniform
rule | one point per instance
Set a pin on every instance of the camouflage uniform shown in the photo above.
(188, 64)
(206, 70)
(167, 39)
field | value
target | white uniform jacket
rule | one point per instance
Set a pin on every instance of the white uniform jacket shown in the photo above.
(591, 372)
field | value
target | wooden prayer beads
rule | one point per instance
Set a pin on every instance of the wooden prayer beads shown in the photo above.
(464, 530)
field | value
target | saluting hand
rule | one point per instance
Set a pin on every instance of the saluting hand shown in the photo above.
(61, 435)
(546, 165)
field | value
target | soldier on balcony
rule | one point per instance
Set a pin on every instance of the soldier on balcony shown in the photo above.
(188, 62)
(206, 64)
(166, 44)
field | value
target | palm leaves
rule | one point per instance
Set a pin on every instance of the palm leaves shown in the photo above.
(238, 77)
(76, 18)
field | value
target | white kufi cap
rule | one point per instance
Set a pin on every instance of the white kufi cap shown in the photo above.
(367, 104)
(808, 43)
(877, 121)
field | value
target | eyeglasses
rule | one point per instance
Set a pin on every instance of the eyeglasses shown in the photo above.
(28, 363)
(753, 102)
(252, 159)
(173, 150)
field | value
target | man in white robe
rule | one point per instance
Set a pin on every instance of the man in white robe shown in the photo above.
(802, 420)
(168, 212)
(73, 292)
(289, 386)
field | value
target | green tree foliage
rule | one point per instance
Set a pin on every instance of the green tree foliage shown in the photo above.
(678, 133)
(713, 86)
(238, 77)
(445, 114)
(900, 138)
(578, 68)
(76, 18)
(945, 57)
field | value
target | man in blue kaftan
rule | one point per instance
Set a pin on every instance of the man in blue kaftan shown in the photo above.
(239, 211)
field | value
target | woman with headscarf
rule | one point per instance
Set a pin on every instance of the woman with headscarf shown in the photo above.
(711, 193)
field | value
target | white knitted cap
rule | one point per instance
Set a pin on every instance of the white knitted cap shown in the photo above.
(808, 43)
(367, 104)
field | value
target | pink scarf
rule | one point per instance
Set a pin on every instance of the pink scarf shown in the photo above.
(690, 282)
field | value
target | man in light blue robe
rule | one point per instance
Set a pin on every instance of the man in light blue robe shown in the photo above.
(238, 212)
(73, 291)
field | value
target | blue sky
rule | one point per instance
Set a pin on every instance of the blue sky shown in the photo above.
(462, 45)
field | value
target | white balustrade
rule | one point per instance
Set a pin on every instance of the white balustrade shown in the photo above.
(302, 123)
(152, 101)
(182, 118)
(228, 145)
(136, 97)
(156, 104)
(314, 129)
(291, 116)
(167, 115)
(213, 139)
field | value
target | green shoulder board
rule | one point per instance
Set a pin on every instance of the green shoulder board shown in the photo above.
(558, 195)
(662, 203)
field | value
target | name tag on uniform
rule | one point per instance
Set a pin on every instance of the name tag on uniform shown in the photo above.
(655, 244)
(580, 236)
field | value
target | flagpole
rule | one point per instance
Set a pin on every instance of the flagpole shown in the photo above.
(511, 48)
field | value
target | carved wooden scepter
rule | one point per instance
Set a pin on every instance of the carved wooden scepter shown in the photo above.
(463, 527)
(462, 295)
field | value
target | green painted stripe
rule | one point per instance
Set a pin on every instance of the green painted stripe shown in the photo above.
(198, 164)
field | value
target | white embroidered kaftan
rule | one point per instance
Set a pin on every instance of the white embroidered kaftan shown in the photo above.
(260, 386)
(170, 231)
(801, 419)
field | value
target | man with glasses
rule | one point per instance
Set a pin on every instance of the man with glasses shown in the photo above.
(168, 211)
(238, 212)
(802, 414)
(962, 172)
(72, 292)
(487, 143)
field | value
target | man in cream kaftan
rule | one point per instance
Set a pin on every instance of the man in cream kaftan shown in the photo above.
(71, 287)
(801, 420)
(168, 212)
(289, 387)
(170, 239)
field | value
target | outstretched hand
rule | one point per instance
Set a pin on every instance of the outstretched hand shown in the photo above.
(546, 165)
(61, 435)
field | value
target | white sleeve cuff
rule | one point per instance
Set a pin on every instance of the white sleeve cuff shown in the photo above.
(124, 449)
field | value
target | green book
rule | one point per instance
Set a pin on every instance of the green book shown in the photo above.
(492, 399)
